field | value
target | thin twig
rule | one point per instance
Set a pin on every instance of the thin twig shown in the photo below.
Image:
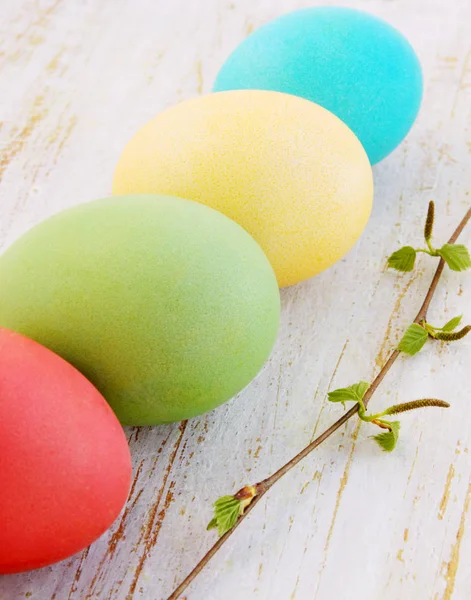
(263, 486)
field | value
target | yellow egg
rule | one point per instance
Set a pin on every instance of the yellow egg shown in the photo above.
(287, 170)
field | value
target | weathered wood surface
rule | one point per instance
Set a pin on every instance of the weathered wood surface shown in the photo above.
(77, 78)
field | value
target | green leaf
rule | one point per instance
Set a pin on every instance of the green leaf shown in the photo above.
(352, 393)
(388, 439)
(430, 329)
(227, 510)
(452, 324)
(413, 339)
(456, 256)
(403, 259)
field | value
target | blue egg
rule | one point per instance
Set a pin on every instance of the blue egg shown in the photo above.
(348, 61)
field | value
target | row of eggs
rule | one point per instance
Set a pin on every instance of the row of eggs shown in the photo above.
(166, 295)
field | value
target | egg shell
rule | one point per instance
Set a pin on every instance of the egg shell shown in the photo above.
(288, 171)
(65, 467)
(352, 63)
(167, 306)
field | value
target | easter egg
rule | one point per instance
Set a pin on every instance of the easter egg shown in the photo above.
(168, 307)
(352, 63)
(288, 171)
(65, 467)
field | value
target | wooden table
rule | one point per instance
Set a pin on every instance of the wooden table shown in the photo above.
(77, 78)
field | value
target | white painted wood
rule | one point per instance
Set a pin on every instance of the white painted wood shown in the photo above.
(77, 78)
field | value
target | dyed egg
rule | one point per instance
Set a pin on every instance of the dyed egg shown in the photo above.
(288, 171)
(65, 467)
(357, 66)
(168, 307)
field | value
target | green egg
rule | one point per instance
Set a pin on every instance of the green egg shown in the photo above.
(166, 305)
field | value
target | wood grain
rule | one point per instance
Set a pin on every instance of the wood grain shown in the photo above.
(77, 78)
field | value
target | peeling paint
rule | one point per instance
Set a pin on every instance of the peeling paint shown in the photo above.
(16, 145)
(452, 566)
(446, 492)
